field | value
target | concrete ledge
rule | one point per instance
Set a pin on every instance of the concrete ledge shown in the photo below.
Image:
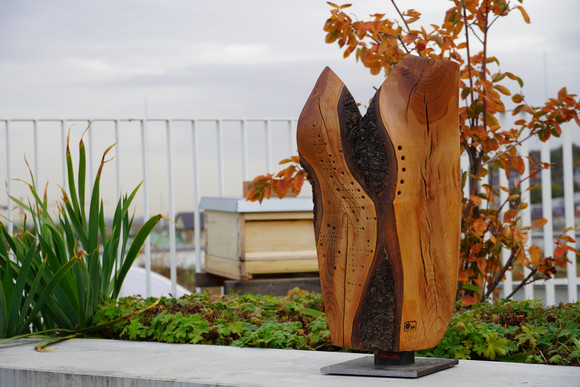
(87, 363)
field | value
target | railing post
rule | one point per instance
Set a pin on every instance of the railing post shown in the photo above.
(171, 224)
(464, 162)
(35, 140)
(63, 145)
(505, 253)
(196, 215)
(90, 152)
(145, 169)
(220, 156)
(244, 150)
(547, 214)
(10, 227)
(526, 212)
(117, 158)
(291, 140)
(569, 213)
(268, 146)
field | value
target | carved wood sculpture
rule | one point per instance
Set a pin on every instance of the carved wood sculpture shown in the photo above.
(387, 200)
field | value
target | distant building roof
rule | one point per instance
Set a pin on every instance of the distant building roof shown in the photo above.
(184, 220)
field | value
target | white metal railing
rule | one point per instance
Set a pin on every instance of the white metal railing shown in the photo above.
(221, 153)
(253, 162)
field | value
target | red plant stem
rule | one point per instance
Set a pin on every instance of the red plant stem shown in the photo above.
(524, 282)
(499, 277)
(468, 57)
(484, 64)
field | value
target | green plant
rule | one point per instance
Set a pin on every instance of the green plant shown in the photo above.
(504, 330)
(21, 295)
(522, 331)
(488, 223)
(48, 251)
(294, 321)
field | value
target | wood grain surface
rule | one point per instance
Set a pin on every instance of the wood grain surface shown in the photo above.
(387, 199)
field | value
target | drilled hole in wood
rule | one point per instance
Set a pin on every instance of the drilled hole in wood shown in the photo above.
(402, 181)
(402, 157)
(398, 192)
(399, 147)
(404, 169)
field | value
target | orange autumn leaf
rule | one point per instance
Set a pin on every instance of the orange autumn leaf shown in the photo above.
(475, 199)
(479, 226)
(502, 89)
(524, 14)
(540, 222)
(535, 253)
(468, 300)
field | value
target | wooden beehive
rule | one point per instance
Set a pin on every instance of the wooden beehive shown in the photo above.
(244, 239)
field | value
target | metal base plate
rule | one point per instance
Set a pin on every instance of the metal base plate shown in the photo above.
(365, 366)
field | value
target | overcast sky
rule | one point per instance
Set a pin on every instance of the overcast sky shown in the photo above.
(252, 58)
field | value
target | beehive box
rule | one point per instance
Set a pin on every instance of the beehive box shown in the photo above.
(244, 238)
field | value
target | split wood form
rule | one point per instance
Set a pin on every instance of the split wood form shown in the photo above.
(387, 203)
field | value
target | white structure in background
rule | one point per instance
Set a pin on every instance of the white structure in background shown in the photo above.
(221, 153)
(160, 285)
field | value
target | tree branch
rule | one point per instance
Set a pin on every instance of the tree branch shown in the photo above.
(524, 282)
(400, 15)
(468, 58)
(484, 65)
(500, 275)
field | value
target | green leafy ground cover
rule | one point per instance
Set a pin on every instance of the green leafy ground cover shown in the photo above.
(521, 331)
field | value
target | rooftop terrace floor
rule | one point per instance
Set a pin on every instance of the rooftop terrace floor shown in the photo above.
(95, 362)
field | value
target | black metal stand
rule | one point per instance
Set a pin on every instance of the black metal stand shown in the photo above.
(390, 364)
(394, 358)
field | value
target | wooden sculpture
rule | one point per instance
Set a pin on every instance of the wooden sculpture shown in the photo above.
(387, 200)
